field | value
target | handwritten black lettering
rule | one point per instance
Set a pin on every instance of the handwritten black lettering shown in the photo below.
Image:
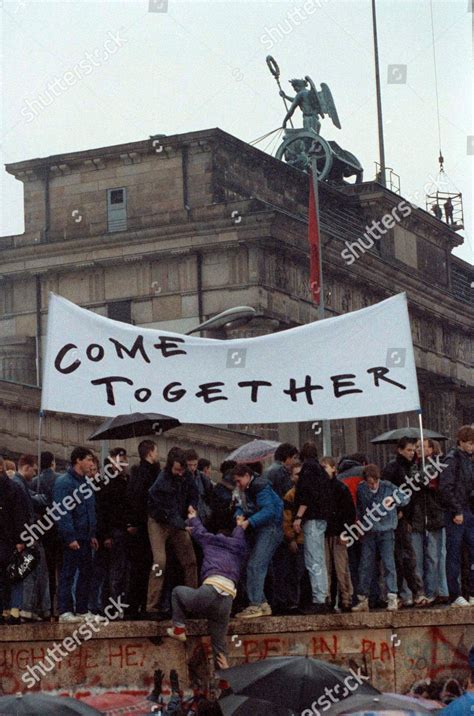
(108, 383)
(132, 352)
(379, 373)
(168, 346)
(340, 383)
(59, 358)
(172, 394)
(307, 389)
(142, 395)
(207, 391)
(95, 352)
(255, 385)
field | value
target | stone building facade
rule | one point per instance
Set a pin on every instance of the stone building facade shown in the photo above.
(172, 230)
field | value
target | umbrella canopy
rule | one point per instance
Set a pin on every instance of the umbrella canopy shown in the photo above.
(393, 436)
(243, 706)
(388, 704)
(133, 426)
(37, 704)
(419, 701)
(268, 679)
(254, 451)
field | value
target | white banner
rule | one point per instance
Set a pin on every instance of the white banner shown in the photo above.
(349, 366)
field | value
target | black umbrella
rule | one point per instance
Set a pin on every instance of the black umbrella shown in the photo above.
(383, 703)
(134, 426)
(268, 680)
(39, 704)
(243, 706)
(393, 436)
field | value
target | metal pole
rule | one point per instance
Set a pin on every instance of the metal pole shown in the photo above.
(422, 441)
(40, 425)
(379, 98)
(327, 443)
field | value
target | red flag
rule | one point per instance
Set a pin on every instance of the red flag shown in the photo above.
(313, 238)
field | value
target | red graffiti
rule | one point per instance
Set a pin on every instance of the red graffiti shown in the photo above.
(321, 646)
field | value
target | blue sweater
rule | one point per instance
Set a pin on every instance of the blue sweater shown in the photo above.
(366, 500)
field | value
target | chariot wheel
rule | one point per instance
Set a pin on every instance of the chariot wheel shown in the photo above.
(295, 151)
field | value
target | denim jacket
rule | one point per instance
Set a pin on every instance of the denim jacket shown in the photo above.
(367, 500)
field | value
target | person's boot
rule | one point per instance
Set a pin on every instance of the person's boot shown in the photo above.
(362, 605)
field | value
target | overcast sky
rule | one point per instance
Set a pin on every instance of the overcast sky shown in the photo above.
(137, 68)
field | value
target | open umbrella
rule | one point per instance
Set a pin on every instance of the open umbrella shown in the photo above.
(39, 704)
(269, 680)
(233, 705)
(134, 426)
(254, 451)
(366, 705)
(393, 436)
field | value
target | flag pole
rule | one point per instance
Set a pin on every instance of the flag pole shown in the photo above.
(422, 442)
(379, 97)
(326, 425)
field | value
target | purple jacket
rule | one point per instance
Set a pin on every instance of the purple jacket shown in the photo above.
(223, 555)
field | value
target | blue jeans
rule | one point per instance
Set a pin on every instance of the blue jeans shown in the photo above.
(79, 561)
(267, 539)
(455, 536)
(384, 543)
(315, 558)
(427, 547)
(443, 582)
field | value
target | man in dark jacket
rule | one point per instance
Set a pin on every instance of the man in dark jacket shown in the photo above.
(142, 477)
(44, 484)
(427, 522)
(350, 472)
(112, 522)
(36, 602)
(223, 502)
(397, 471)
(312, 512)
(222, 561)
(263, 511)
(279, 472)
(456, 485)
(77, 530)
(341, 512)
(169, 499)
(13, 517)
(204, 486)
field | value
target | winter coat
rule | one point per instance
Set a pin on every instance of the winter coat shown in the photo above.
(46, 480)
(312, 491)
(350, 473)
(223, 555)
(341, 508)
(79, 522)
(397, 471)
(427, 511)
(288, 518)
(457, 482)
(204, 487)
(260, 504)
(279, 477)
(169, 498)
(366, 499)
(112, 507)
(36, 502)
(13, 516)
(142, 477)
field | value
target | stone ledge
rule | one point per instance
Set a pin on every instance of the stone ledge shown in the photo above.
(267, 625)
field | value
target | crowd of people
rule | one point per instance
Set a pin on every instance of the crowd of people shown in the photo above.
(308, 535)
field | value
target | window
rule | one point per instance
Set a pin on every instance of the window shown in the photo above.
(116, 209)
(120, 311)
